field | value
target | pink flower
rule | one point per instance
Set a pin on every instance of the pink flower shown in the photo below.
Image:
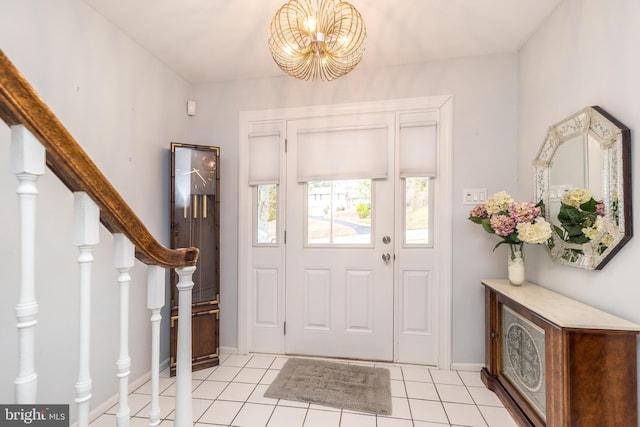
(479, 211)
(503, 225)
(600, 208)
(514, 222)
(524, 212)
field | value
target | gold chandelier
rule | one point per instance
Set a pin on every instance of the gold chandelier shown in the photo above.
(317, 39)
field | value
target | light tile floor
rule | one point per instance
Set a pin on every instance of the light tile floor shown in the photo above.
(232, 395)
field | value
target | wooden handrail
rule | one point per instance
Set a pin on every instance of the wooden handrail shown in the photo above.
(20, 104)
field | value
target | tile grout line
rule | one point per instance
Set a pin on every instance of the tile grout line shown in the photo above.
(406, 393)
(262, 365)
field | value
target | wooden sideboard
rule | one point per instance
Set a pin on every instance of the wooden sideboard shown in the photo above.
(556, 362)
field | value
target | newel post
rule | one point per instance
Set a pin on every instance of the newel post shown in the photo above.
(183, 357)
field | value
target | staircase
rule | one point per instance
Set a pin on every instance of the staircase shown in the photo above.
(39, 142)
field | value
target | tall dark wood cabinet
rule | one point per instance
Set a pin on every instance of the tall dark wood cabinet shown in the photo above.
(195, 222)
(556, 362)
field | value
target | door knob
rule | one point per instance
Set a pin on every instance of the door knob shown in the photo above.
(386, 240)
(386, 257)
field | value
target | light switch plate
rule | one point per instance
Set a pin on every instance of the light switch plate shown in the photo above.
(474, 196)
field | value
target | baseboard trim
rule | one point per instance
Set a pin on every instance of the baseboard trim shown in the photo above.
(99, 410)
(472, 367)
(229, 350)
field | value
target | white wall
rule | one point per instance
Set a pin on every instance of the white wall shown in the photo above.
(485, 150)
(585, 54)
(124, 107)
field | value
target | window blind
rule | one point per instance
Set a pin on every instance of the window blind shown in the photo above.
(264, 158)
(342, 153)
(418, 150)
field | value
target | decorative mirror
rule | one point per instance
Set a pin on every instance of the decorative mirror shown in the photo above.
(583, 177)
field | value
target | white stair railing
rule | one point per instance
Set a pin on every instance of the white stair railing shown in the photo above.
(123, 260)
(28, 163)
(86, 232)
(155, 302)
(36, 131)
(183, 356)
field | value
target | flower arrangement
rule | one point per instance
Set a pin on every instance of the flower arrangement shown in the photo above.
(582, 219)
(514, 222)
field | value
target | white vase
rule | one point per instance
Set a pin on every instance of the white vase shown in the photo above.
(515, 263)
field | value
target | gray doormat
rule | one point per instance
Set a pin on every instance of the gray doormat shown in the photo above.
(353, 387)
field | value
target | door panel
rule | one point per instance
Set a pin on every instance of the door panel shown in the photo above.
(339, 291)
(317, 299)
(418, 296)
(266, 310)
(359, 301)
(419, 246)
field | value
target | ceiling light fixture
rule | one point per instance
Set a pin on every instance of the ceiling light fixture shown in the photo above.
(317, 39)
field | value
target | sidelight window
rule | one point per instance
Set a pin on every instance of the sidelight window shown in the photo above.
(266, 218)
(417, 211)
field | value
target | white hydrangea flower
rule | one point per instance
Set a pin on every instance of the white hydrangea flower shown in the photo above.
(607, 240)
(535, 232)
(593, 231)
(577, 197)
(498, 202)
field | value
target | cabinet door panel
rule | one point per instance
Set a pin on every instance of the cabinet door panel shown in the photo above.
(588, 372)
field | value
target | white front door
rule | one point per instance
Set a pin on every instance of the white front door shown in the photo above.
(329, 287)
(339, 279)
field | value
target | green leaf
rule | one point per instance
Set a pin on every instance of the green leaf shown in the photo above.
(486, 224)
(589, 206)
(570, 214)
(476, 219)
(501, 242)
(573, 230)
(560, 232)
(587, 222)
(579, 239)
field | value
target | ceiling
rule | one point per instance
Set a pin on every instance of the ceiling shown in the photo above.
(217, 40)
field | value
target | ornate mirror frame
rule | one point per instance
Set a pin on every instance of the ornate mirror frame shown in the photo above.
(604, 145)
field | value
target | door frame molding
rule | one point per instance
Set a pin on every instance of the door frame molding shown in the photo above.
(445, 158)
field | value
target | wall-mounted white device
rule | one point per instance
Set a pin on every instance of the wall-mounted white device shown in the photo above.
(191, 108)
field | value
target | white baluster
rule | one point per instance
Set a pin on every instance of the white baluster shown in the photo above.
(85, 235)
(183, 416)
(155, 301)
(123, 260)
(28, 163)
